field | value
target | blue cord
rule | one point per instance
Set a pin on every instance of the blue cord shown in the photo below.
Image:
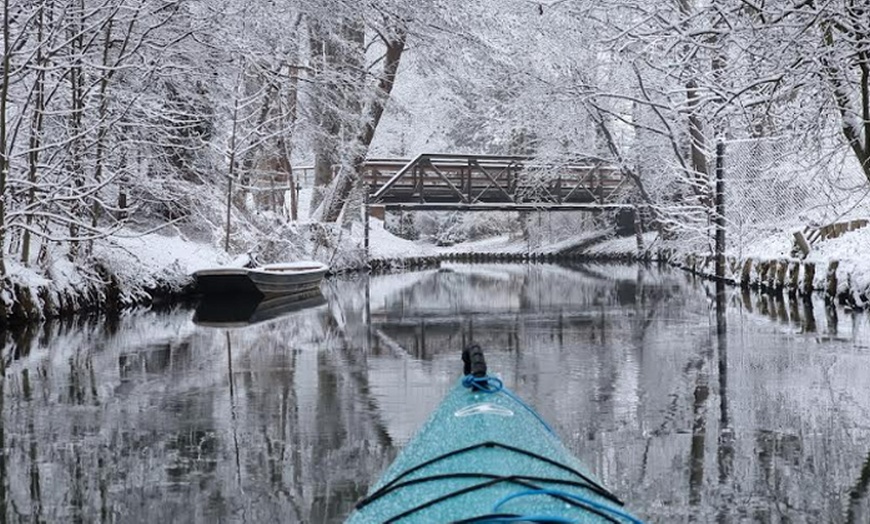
(529, 518)
(489, 384)
(572, 496)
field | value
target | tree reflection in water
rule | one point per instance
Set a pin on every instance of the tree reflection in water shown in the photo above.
(693, 403)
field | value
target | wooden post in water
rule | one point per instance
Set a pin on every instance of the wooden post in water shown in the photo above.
(720, 210)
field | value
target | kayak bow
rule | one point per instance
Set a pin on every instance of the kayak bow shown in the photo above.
(486, 456)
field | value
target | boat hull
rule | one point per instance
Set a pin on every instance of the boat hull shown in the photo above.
(269, 280)
(225, 281)
(492, 446)
(285, 279)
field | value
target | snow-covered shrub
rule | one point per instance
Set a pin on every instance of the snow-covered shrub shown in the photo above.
(450, 228)
(403, 226)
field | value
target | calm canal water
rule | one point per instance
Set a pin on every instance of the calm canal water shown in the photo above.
(757, 410)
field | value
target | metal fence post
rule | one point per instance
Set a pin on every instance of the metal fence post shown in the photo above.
(720, 210)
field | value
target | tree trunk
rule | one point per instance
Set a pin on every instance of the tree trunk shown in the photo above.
(4, 147)
(102, 127)
(696, 135)
(75, 162)
(36, 125)
(853, 128)
(326, 57)
(232, 168)
(285, 144)
(344, 185)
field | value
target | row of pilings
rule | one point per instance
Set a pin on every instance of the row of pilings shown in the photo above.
(772, 276)
(783, 275)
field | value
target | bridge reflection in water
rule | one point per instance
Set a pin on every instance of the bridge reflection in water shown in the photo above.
(752, 410)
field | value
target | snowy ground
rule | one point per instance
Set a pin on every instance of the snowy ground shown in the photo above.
(383, 244)
(146, 261)
(622, 246)
(852, 250)
(138, 262)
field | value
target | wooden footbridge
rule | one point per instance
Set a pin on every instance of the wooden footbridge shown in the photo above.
(447, 182)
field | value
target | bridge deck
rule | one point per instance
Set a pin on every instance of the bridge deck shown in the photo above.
(486, 182)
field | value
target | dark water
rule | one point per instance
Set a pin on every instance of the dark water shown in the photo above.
(757, 410)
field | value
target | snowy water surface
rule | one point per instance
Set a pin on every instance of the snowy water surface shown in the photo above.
(692, 407)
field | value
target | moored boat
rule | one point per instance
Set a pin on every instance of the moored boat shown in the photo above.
(271, 279)
(486, 456)
(288, 278)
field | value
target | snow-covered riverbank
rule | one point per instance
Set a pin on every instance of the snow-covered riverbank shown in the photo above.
(130, 270)
(141, 269)
(838, 267)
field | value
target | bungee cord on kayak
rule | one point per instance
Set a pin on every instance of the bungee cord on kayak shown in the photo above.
(396, 483)
(396, 518)
(505, 518)
(572, 496)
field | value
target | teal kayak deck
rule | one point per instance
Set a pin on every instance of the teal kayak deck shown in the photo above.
(487, 457)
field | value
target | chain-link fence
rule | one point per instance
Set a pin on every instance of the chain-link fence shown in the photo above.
(774, 187)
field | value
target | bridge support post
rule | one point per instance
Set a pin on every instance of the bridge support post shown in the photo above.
(367, 190)
(638, 229)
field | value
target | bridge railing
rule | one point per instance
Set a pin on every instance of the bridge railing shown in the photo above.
(470, 179)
